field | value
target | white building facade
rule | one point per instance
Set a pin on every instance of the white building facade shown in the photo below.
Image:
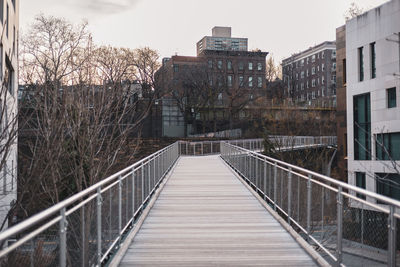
(373, 99)
(9, 27)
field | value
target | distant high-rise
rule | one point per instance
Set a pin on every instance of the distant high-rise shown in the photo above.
(221, 40)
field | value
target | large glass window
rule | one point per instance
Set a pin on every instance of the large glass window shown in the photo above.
(250, 65)
(373, 60)
(360, 182)
(259, 66)
(362, 127)
(210, 64)
(388, 146)
(391, 97)
(250, 81)
(241, 66)
(229, 80)
(259, 82)
(388, 184)
(229, 65)
(219, 64)
(360, 64)
(241, 81)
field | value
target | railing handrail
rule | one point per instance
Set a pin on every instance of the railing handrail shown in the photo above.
(362, 191)
(65, 203)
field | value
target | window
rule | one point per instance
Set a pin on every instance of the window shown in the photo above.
(333, 79)
(307, 73)
(259, 82)
(360, 182)
(323, 80)
(241, 66)
(297, 76)
(313, 70)
(318, 68)
(387, 146)
(302, 86)
(313, 83)
(313, 94)
(333, 54)
(302, 63)
(176, 68)
(333, 66)
(323, 54)
(313, 58)
(360, 64)
(386, 184)
(391, 97)
(308, 60)
(8, 76)
(2, 11)
(250, 81)
(250, 65)
(229, 65)
(307, 84)
(362, 127)
(322, 91)
(230, 80)
(241, 81)
(210, 81)
(219, 64)
(323, 67)
(220, 96)
(344, 72)
(210, 64)
(259, 66)
(302, 74)
(373, 60)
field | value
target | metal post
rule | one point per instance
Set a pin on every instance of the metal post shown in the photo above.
(142, 171)
(309, 189)
(119, 207)
(392, 237)
(265, 180)
(83, 246)
(63, 239)
(322, 209)
(275, 187)
(99, 203)
(339, 226)
(186, 148)
(298, 199)
(289, 194)
(154, 171)
(211, 143)
(148, 176)
(256, 173)
(133, 196)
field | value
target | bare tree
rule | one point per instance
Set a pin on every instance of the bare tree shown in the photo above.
(353, 11)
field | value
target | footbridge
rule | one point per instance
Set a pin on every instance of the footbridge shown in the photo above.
(211, 204)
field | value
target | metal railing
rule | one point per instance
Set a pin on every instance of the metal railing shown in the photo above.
(85, 229)
(346, 224)
(88, 227)
(201, 148)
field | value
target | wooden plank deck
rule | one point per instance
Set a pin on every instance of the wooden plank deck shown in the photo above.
(206, 217)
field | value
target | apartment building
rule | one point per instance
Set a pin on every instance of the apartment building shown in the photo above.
(235, 76)
(310, 76)
(372, 99)
(9, 17)
(221, 39)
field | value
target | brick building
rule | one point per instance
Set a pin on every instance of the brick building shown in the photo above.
(232, 78)
(310, 76)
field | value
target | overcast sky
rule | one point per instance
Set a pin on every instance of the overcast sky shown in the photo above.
(281, 27)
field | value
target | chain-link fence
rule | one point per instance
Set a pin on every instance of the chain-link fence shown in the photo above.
(345, 224)
(87, 228)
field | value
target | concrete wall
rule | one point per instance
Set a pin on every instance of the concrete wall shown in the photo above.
(376, 25)
(9, 52)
